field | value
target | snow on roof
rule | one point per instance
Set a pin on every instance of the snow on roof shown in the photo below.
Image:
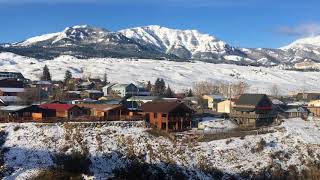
(10, 99)
(215, 96)
(5, 89)
(12, 108)
(137, 98)
(43, 83)
(93, 91)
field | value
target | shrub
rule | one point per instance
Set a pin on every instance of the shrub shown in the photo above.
(51, 174)
(75, 163)
(260, 146)
(16, 128)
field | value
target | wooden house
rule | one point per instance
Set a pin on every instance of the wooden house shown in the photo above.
(314, 107)
(32, 112)
(68, 111)
(296, 112)
(212, 100)
(168, 115)
(307, 96)
(253, 110)
(103, 111)
(92, 94)
(224, 107)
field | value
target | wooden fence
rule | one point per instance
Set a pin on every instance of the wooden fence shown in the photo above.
(77, 119)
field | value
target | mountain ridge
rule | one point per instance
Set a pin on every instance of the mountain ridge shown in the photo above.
(157, 42)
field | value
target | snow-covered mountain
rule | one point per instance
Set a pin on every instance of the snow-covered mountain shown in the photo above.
(155, 42)
(187, 44)
(82, 41)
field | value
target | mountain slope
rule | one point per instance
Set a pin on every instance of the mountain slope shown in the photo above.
(82, 41)
(155, 42)
(188, 44)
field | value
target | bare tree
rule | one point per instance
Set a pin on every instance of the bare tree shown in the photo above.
(30, 96)
(274, 91)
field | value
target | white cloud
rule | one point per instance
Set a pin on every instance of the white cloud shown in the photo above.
(308, 29)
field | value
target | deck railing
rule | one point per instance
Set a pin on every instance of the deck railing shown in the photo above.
(253, 116)
(76, 119)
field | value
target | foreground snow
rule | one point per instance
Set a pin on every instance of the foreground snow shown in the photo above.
(180, 75)
(31, 146)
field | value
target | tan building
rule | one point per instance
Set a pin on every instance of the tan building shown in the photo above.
(212, 100)
(225, 106)
(314, 107)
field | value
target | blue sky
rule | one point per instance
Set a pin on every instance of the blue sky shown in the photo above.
(244, 23)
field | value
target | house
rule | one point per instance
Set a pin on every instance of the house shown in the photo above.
(103, 111)
(85, 85)
(57, 84)
(225, 107)
(314, 107)
(32, 112)
(92, 94)
(11, 83)
(212, 100)
(142, 91)
(68, 111)
(12, 75)
(168, 115)
(296, 112)
(122, 90)
(253, 110)
(307, 96)
(72, 95)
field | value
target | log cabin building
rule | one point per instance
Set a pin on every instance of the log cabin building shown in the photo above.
(253, 110)
(68, 111)
(168, 115)
(108, 112)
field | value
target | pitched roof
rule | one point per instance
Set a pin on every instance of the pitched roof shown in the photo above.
(10, 89)
(60, 107)
(12, 108)
(250, 99)
(215, 96)
(163, 106)
(100, 107)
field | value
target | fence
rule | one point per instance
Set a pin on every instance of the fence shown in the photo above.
(216, 134)
(77, 119)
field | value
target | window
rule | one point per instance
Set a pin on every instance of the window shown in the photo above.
(155, 115)
(164, 115)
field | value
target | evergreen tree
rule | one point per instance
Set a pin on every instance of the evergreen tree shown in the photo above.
(189, 93)
(169, 93)
(159, 87)
(149, 86)
(162, 88)
(67, 76)
(46, 76)
(105, 79)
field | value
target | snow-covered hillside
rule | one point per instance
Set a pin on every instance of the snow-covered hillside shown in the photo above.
(304, 42)
(29, 148)
(179, 75)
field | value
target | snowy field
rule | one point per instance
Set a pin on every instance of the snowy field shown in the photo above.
(30, 148)
(179, 75)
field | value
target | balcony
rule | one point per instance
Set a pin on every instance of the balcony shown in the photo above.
(253, 116)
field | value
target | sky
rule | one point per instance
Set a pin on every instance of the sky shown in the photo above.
(241, 23)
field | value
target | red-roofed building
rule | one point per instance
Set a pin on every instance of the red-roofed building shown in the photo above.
(69, 111)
